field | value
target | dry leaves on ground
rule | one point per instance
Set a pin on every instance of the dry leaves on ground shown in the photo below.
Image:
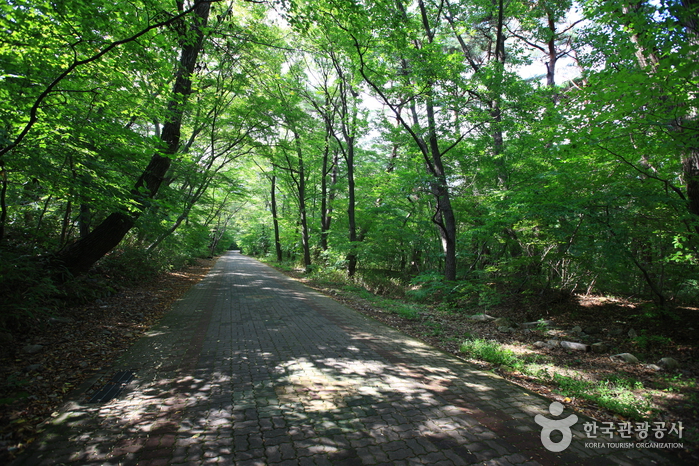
(75, 346)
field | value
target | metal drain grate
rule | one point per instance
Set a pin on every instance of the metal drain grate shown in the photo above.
(112, 389)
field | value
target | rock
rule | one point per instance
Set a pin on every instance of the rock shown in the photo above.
(34, 367)
(502, 322)
(576, 329)
(476, 317)
(591, 330)
(527, 331)
(540, 344)
(6, 338)
(625, 357)
(61, 320)
(571, 345)
(669, 364)
(106, 332)
(632, 333)
(128, 334)
(505, 329)
(615, 332)
(653, 367)
(599, 347)
(32, 349)
(553, 343)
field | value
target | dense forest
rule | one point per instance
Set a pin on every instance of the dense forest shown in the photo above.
(465, 148)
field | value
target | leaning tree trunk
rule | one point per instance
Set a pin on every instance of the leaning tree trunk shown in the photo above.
(81, 255)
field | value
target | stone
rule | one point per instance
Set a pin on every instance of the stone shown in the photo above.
(625, 357)
(61, 320)
(615, 332)
(591, 330)
(502, 322)
(553, 343)
(505, 329)
(32, 349)
(599, 347)
(576, 329)
(571, 345)
(653, 367)
(34, 367)
(669, 364)
(481, 317)
(632, 333)
(540, 344)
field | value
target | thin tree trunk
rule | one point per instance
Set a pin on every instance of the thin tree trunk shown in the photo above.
(84, 220)
(3, 199)
(352, 256)
(275, 220)
(305, 239)
(325, 196)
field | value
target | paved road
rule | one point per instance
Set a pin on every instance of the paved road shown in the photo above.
(252, 368)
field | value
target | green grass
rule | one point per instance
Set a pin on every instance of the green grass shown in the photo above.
(492, 352)
(615, 393)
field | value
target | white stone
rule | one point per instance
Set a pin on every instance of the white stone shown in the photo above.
(625, 357)
(482, 317)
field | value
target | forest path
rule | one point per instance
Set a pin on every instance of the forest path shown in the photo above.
(251, 367)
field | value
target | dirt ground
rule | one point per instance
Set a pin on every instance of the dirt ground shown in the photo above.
(77, 343)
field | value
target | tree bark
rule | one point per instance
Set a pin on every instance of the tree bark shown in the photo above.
(352, 255)
(79, 257)
(305, 237)
(275, 220)
(326, 195)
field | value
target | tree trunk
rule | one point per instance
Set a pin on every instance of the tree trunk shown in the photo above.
(352, 255)
(305, 238)
(3, 199)
(689, 18)
(275, 220)
(440, 190)
(325, 196)
(81, 255)
(685, 130)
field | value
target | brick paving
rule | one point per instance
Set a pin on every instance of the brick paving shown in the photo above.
(253, 368)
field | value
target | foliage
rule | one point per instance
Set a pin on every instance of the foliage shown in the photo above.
(408, 143)
(492, 352)
(28, 293)
(615, 393)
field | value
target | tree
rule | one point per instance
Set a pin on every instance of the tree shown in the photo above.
(81, 255)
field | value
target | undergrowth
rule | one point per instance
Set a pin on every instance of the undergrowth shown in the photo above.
(616, 394)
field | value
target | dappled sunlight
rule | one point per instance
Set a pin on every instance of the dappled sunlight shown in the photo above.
(250, 368)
